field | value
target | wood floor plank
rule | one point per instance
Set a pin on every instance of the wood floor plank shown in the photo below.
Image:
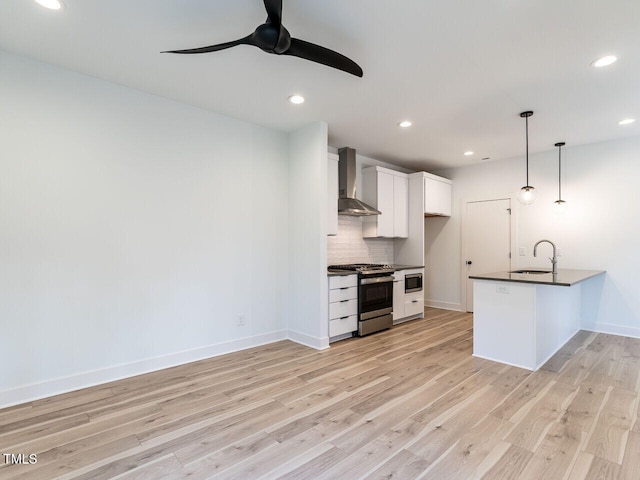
(556, 454)
(631, 461)
(581, 413)
(581, 466)
(609, 437)
(451, 397)
(578, 367)
(602, 469)
(567, 351)
(525, 394)
(447, 428)
(410, 402)
(469, 451)
(509, 379)
(403, 465)
(227, 457)
(373, 454)
(89, 436)
(316, 466)
(531, 430)
(152, 471)
(509, 466)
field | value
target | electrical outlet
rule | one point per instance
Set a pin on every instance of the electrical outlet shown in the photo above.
(522, 252)
(558, 252)
(240, 320)
(502, 288)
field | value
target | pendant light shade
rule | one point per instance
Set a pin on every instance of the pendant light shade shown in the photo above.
(527, 193)
(560, 204)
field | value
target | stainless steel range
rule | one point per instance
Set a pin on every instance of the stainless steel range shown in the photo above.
(375, 295)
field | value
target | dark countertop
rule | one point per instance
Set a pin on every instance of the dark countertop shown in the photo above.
(396, 267)
(565, 277)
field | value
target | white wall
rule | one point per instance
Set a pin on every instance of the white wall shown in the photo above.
(308, 295)
(133, 231)
(599, 230)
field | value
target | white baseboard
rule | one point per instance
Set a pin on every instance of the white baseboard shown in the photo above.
(443, 305)
(502, 361)
(57, 386)
(308, 340)
(613, 329)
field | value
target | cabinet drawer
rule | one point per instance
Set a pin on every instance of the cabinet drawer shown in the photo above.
(340, 281)
(344, 293)
(413, 306)
(343, 325)
(343, 308)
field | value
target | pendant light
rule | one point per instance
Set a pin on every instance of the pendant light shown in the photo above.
(527, 193)
(560, 204)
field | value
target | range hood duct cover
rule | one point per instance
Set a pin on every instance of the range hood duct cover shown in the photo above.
(348, 204)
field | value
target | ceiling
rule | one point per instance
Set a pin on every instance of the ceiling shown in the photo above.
(460, 70)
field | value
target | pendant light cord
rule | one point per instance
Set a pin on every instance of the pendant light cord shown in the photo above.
(526, 116)
(560, 145)
(526, 120)
(559, 172)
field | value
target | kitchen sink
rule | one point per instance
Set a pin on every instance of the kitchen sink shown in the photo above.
(530, 272)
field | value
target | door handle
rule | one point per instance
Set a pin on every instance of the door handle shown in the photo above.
(469, 262)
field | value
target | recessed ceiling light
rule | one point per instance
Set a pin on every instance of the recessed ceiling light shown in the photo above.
(604, 61)
(51, 4)
(468, 153)
(296, 99)
(405, 124)
(626, 121)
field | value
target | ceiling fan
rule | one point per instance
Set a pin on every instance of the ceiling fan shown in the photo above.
(272, 37)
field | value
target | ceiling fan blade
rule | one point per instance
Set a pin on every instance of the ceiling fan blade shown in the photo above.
(318, 54)
(248, 40)
(274, 11)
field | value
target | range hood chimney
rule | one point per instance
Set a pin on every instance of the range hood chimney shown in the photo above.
(348, 204)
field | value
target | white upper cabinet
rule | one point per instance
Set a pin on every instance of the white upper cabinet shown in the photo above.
(388, 191)
(437, 196)
(400, 206)
(332, 195)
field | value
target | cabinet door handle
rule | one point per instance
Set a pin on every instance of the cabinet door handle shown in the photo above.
(344, 288)
(343, 318)
(342, 301)
(414, 301)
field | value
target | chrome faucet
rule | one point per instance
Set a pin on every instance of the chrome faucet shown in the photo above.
(554, 259)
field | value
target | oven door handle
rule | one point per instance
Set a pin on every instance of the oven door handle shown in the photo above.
(369, 281)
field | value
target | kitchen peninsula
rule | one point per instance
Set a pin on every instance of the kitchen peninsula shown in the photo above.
(522, 318)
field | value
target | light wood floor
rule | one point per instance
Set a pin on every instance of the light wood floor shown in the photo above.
(407, 403)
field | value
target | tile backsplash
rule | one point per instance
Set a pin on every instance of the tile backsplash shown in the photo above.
(349, 246)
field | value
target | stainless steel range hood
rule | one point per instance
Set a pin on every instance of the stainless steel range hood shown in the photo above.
(348, 204)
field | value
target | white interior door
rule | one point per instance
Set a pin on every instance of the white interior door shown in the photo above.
(487, 240)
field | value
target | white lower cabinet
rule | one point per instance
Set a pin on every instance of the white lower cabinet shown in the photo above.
(406, 305)
(398, 296)
(413, 304)
(343, 305)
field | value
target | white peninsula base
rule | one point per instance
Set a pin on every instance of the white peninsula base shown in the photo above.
(523, 324)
